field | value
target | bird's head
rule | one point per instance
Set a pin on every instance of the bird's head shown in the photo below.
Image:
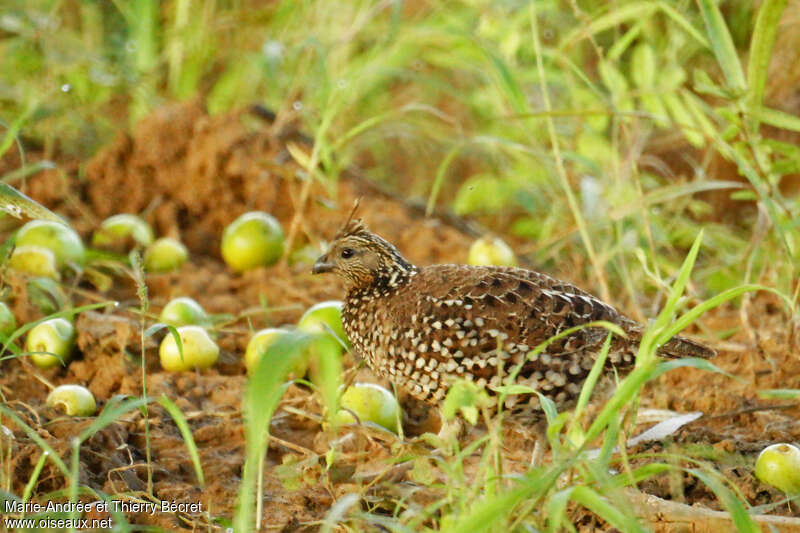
(362, 258)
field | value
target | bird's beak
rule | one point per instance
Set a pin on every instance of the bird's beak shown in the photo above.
(322, 265)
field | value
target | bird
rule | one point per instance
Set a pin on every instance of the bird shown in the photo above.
(424, 327)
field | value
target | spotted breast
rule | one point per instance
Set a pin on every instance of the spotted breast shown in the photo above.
(424, 327)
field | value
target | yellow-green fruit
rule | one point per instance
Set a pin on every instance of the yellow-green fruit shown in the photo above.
(199, 351)
(56, 336)
(62, 240)
(74, 400)
(183, 311)
(779, 465)
(8, 324)
(324, 317)
(260, 343)
(124, 229)
(491, 251)
(254, 239)
(165, 255)
(371, 403)
(34, 260)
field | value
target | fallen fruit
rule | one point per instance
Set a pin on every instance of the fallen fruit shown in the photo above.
(252, 240)
(260, 343)
(34, 260)
(371, 403)
(779, 465)
(183, 311)
(56, 336)
(491, 251)
(62, 240)
(324, 317)
(165, 255)
(73, 399)
(199, 351)
(8, 324)
(123, 231)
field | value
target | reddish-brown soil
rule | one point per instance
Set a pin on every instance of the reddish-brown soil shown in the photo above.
(191, 174)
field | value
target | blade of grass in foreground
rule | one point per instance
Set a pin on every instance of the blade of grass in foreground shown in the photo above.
(652, 338)
(722, 45)
(265, 389)
(35, 437)
(761, 50)
(492, 512)
(186, 432)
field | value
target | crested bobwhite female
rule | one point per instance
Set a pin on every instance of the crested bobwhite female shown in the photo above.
(422, 327)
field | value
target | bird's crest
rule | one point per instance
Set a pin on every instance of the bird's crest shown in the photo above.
(352, 226)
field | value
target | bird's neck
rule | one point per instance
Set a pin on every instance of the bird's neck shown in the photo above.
(386, 279)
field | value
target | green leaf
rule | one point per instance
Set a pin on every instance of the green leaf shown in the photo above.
(655, 334)
(776, 118)
(779, 394)
(643, 66)
(735, 507)
(16, 204)
(606, 510)
(265, 388)
(514, 389)
(461, 397)
(586, 390)
(761, 45)
(557, 509)
(722, 45)
(683, 117)
(624, 14)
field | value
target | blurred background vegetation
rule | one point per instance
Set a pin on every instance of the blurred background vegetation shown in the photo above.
(603, 131)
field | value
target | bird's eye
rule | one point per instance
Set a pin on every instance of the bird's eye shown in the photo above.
(347, 253)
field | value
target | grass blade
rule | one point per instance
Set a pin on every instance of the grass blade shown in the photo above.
(265, 388)
(761, 45)
(603, 508)
(722, 45)
(35, 437)
(186, 432)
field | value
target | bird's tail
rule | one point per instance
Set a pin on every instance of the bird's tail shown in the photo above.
(682, 347)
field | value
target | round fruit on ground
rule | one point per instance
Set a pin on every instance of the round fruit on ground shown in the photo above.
(56, 336)
(259, 345)
(62, 240)
(183, 311)
(371, 403)
(199, 351)
(779, 465)
(324, 317)
(254, 239)
(34, 260)
(74, 400)
(165, 255)
(491, 251)
(123, 231)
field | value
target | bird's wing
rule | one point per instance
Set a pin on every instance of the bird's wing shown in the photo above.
(527, 307)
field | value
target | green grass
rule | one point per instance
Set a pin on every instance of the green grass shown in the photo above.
(540, 119)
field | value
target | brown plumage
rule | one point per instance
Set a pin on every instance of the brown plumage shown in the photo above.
(423, 327)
